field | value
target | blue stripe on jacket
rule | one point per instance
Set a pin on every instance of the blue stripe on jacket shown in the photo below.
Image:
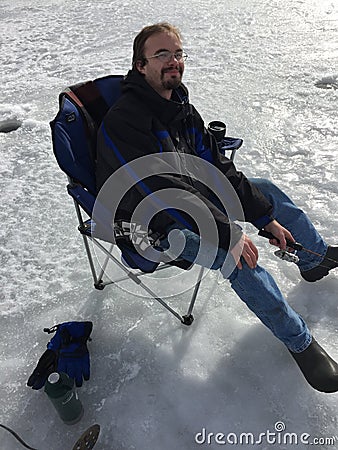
(144, 187)
(201, 150)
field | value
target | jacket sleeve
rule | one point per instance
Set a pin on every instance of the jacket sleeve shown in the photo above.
(257, 209)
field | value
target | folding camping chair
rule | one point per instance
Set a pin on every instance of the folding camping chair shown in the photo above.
(74, 129)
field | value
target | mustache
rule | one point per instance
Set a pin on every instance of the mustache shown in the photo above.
(169, 69)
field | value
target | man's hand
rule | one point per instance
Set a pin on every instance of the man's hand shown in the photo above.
(280, 233)
(246, 248)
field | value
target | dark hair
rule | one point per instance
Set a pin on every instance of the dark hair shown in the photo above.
(145, 33)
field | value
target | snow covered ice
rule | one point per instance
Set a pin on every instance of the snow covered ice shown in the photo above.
(269, 69)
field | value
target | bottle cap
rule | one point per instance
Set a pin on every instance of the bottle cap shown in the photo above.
(53, 378)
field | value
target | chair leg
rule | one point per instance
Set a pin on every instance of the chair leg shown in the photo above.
(97, 280)
(100, 285)
(161, 301)
(136, 278)
(189, 318)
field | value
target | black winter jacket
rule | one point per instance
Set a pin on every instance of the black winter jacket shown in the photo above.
(144, 123)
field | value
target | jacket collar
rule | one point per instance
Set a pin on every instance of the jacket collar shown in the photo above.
(165, 110)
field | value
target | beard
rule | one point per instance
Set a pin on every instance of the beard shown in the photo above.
(174, 81)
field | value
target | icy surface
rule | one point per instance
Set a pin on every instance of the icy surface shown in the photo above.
(269, 69)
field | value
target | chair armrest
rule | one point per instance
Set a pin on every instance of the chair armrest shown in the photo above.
(101, 224)
(82, 197)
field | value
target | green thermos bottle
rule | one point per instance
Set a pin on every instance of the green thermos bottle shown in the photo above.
(61, 391)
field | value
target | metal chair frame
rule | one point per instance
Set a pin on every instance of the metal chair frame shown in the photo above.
(80, 106)
(132, 274)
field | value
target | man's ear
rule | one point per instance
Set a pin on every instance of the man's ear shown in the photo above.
(140, 63)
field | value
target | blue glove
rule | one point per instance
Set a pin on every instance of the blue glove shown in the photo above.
(67, 352)
(70, 344)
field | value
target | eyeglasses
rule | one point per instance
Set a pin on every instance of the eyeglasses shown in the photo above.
(165, 56)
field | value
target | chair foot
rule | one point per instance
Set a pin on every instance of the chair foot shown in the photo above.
(99, 285)
(187, 319)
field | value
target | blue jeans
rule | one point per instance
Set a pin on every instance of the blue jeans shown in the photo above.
(256, 287)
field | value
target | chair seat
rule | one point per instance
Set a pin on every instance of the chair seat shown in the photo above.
(129, 256)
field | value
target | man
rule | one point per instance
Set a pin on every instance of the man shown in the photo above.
(154, 117)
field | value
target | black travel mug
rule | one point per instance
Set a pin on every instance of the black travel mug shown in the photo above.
(218, 129)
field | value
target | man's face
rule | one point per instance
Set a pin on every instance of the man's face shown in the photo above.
(162, 76)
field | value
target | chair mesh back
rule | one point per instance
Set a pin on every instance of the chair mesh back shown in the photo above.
(110, 88)
(72, 147)
(75, 126)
